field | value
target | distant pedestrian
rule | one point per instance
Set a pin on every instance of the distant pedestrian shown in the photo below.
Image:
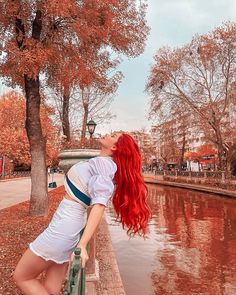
(116, 171)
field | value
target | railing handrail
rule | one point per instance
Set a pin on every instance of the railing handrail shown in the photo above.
(198, 174)
(76, 278)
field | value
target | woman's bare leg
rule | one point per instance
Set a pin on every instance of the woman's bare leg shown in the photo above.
(55, 276)
(27, 271)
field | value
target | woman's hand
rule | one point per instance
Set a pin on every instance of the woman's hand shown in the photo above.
(83, 255)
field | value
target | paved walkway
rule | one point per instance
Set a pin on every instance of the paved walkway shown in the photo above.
(14, 191)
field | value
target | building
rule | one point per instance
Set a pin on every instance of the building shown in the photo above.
(174, 137)
(145, 144)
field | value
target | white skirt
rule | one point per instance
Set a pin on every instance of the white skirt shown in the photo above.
(60, 238)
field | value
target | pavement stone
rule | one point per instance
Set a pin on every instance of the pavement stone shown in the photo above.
(110, 282)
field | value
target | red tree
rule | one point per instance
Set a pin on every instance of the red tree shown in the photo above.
(206, 150)
(37, 36)
(200, 78)
(13, 138)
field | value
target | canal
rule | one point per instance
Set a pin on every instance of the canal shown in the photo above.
(190, 249)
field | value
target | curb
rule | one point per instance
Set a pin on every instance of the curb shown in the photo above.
(110, 282)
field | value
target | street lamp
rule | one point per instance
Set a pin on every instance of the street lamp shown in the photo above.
(91, 127)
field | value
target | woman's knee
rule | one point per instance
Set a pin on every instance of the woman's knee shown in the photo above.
(19, 278)
(19, 275)
(16, 276)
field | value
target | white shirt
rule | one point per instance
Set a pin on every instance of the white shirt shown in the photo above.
(93, 177)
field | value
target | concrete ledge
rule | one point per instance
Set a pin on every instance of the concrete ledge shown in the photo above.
(95, 276)
(90, 289)
(110, 282)
(201, 188)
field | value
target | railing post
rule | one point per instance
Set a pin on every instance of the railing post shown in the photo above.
(76, 279)
(223, 176)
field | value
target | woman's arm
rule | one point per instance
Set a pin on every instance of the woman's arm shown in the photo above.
(93, 221)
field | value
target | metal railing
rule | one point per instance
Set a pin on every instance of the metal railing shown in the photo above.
(15, 174)
(192, 174)
(76, 278)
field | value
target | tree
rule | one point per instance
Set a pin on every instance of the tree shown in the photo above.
(191, 156)
(166, 142)
(205, 154)
(37, 36)
(206, 150)
(13, 137)
(76, 93)
(199, 77)
(96, 100)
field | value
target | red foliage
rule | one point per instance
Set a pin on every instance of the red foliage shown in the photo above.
(70, 32)
(191, 156)
(206, 150)
(202, 151)
(13, 138)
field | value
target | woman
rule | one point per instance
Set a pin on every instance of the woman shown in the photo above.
(88, 183)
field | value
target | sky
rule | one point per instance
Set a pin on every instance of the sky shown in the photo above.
(172, 23)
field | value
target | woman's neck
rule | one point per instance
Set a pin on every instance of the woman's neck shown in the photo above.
(105, 153)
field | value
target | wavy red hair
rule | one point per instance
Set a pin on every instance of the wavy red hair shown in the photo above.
(129, 199)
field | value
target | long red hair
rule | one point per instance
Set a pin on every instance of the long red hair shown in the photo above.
(129, 199)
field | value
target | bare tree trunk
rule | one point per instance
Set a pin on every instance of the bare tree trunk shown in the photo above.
(214, 123)
(85, 120)
(65, 114)
(220, 148)
(231, 156)
(182, 151)
(38, 197)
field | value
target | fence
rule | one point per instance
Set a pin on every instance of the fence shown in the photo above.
(193, 174)
(15, 174)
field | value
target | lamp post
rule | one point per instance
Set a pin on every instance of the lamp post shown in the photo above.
(91, 127)
(91, 265)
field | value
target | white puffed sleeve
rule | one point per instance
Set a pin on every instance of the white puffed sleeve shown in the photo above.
(100, 185)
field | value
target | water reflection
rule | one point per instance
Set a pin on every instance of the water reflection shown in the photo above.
(191, 248)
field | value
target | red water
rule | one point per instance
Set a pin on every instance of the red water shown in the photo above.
(191, 248)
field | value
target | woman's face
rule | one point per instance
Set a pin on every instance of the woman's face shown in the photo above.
(108, 141)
